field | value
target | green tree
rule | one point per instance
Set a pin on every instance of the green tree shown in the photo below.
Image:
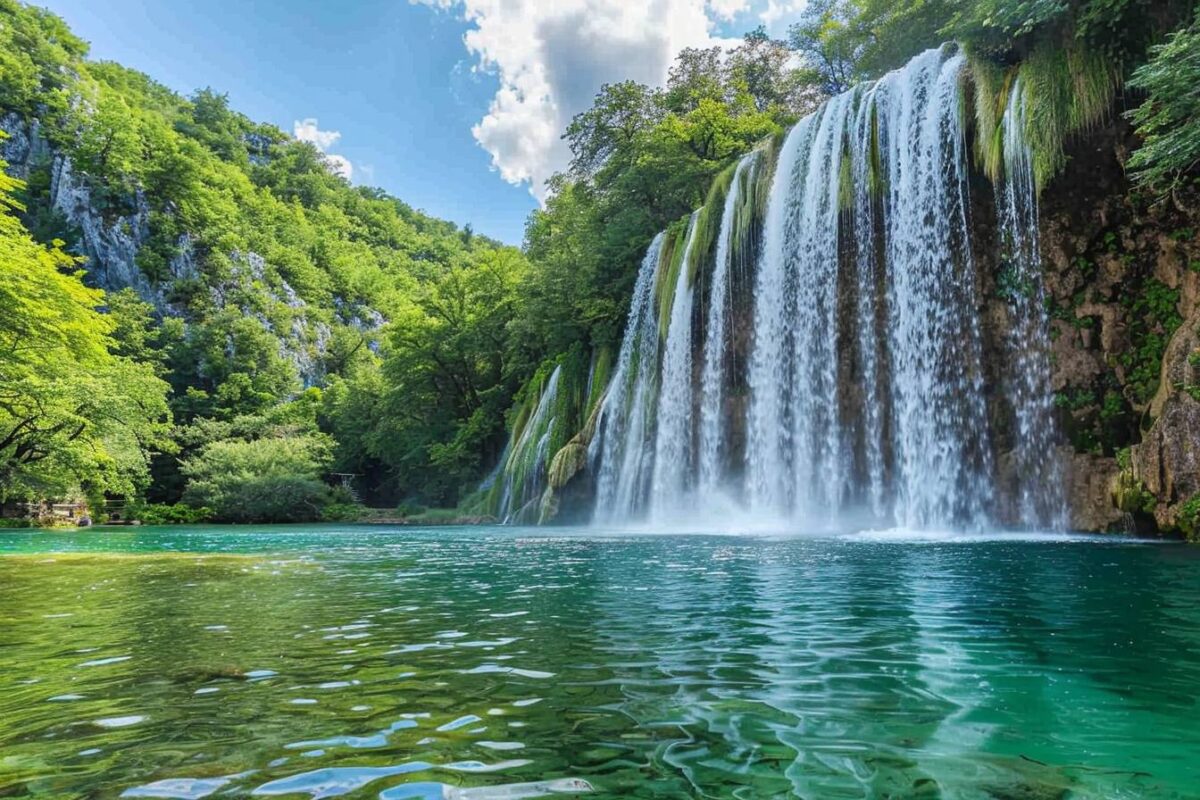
(266, 480)
(73, 413)
(1169, 119)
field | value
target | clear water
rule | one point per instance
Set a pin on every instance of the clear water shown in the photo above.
(500, 663)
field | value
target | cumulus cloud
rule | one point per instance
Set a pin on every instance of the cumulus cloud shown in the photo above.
(552, 57)
(308, 130)
(340, 165)
(728, 9)
(779, 10)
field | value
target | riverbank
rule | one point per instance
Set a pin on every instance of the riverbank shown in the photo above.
(431, 517)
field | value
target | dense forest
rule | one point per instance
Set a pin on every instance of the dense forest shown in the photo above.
(200, 319)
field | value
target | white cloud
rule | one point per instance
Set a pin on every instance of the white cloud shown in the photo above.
(340, 165)
(552, 57)
(307, 130)
(778, 11)
(728, 9)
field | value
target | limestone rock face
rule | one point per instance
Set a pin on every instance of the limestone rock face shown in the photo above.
(1121, 274)
(111, 246)
(1090, 479)
(1167, 461)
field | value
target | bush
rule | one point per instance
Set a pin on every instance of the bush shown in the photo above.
(272, 498)
(1189, 518)
(165, 514)
(342, 512)
(268, 480)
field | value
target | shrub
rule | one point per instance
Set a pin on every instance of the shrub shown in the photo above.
(1189, 518)
(268, 480)
(166, 514)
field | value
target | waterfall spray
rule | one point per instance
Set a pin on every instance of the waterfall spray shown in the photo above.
(1036, 468)
(673, 442)
(629, 405)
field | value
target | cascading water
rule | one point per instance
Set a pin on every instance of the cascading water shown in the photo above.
(865, 391)
(713, 378)
(1038, 472)
(528, 457)
(627, 421)
(674, 436)
(796, 455)
(942, 455)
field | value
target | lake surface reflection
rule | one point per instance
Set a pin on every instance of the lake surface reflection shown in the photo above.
(491, 664)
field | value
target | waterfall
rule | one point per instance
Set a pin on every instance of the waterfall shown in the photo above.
(942, 454)
(1037, 470)
(796, 454)
(713, 377)
(529, 457)
(859, 362)
(674, 439)
(628, 407)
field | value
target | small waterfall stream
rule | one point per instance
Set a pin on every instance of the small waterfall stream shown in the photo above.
(628, 408)
(674, 436)
(529, 457)
(713, 379)
(1038, 473)
(862, 375)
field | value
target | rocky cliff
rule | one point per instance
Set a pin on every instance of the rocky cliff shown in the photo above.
(1122, 275)
(111, 242)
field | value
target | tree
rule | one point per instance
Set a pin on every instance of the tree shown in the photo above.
(607, 132)
(267, 480)
(73, 413)
(448, 377)
(1169, 119)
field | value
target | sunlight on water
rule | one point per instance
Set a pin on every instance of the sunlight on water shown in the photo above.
(491, 664)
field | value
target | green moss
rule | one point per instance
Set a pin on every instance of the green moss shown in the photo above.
(1154, 318)
(991, 86)
(602, 364)
(708, 222)
(669, 264)
(567, 464)
(1066, 88)
(1189, 518)
(1131, 495)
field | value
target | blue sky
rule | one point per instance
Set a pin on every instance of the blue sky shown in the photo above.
(461, 128)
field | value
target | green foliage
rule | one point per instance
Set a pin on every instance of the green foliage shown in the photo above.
(1189, 518)
(269, 263)
(169, 514)
(268, 480)
(1066, 88)
(1154, 316)
(1169, 119)
(74, 412)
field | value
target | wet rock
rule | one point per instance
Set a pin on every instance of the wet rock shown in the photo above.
(1089, 480)
(1167, 461)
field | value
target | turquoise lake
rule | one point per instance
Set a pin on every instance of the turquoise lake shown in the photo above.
(493, 663)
